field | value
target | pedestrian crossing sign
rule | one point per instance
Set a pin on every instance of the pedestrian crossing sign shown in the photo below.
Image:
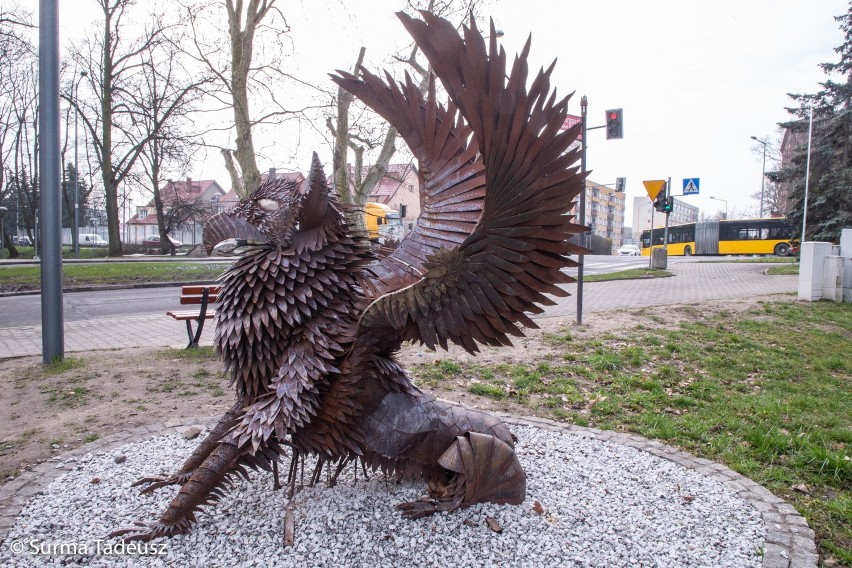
(690, 186)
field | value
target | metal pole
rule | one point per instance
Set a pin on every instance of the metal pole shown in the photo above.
(2, 230)
(584, 103)
(35, 238)
(666, 230)
(807, 175)
(763, 180)
(651, 243)
(75, 236)
(52, 338)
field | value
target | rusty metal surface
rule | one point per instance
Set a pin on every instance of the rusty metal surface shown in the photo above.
(309, 317)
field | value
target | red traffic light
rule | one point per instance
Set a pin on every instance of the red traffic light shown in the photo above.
(613, 124)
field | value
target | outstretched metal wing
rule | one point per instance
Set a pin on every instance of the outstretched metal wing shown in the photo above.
(496, 183)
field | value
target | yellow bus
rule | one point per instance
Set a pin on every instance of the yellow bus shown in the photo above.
(745, 236)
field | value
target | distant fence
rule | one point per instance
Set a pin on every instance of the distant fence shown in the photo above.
(134, 234)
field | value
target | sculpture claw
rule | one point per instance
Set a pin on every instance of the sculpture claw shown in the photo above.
(147, 531)
(158, 481)
(423, 507)
(143, 532)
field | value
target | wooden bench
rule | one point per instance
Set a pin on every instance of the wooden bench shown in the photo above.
(203, 295)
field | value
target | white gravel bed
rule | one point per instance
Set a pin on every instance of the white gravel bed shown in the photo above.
(603, 505)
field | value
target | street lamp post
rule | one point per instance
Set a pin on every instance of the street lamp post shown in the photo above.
(726, 204)
(763, 176)
(75, 236)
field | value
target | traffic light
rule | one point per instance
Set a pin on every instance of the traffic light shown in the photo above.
(668, 207)
(660, 203)
(614, 127)
(620, 183)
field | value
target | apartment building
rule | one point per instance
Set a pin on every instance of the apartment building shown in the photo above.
(604, 212)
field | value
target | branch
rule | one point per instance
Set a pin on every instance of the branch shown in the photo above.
(232, 169)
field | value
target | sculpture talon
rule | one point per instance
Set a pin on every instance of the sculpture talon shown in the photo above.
(156, 482)
(310, 317)
(147, 531)
(424, 507)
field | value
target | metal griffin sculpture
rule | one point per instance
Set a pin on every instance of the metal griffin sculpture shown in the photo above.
(309, 319)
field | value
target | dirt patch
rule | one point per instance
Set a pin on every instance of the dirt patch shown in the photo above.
(46, 411)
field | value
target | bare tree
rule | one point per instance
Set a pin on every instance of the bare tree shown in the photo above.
(20, 140)
(178, 207)
(113, 59)
(164, 101)
(17, 58)
(775, 195)
(242, 35)
(249, 73)
(363, 135)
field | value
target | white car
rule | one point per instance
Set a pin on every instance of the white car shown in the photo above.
(91, 240)
(629, 250)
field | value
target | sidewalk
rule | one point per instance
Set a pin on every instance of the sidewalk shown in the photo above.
(693, 283)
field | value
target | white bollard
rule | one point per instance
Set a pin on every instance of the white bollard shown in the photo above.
(811, 268)
(832, 278)
(846, 253)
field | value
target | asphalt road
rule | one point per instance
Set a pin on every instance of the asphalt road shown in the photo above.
(20, 311)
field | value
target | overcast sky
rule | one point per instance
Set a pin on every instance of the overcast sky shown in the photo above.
(696, 79)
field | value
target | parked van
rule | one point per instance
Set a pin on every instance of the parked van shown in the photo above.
(91, 240)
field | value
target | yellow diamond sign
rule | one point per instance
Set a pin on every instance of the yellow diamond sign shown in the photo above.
(653, 187)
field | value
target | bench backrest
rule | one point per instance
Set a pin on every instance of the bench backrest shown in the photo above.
(194, 294)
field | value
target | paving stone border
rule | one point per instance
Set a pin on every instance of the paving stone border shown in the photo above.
(789, 540)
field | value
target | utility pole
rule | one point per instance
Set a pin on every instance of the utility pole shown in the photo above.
(75, 236)
(651, 236)
(614, 130)
(763, 174)
(666, 231)
(807, 174)
(584, 105)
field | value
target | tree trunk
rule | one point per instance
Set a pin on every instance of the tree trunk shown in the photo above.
(340, 164)
(107, 172)
(9, 245)
(113, 229)
(165, 242)
(232, 170)
(241, 54)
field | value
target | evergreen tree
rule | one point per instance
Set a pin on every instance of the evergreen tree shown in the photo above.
(83, 192)
(830, 183)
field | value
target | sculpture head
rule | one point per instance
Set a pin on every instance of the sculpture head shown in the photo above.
(272, 214)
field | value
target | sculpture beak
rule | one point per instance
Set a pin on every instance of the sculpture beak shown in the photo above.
(227, 227)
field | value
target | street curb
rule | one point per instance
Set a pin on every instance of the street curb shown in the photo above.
(789, 541)
(105, 287)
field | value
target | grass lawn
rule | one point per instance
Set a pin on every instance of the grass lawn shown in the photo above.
(632, 274)
(28, 277)
(790, 268)
(767, 392)
(67, 252)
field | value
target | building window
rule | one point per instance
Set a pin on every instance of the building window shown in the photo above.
(143, 213)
